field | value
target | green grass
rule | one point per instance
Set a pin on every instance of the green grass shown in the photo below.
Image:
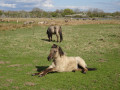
(22, 50)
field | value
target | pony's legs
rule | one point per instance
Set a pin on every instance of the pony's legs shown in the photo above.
(57, 37)
(84, 70)
(82, 64)
(44, 72)
(79, 69)
(51, 37)
(35, 74)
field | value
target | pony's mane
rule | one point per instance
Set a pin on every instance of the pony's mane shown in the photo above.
(59, 48)
(61, 51)
(54, 46)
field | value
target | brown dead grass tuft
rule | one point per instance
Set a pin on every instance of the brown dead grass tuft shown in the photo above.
(9, 80)
(102, 60)
(28, 65)
(2, 62)
(15, 87)
(14, 65)
(1, 76)
(29, 84)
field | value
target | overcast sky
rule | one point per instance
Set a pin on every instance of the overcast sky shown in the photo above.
(51, 5)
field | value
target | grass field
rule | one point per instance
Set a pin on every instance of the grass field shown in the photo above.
(24, 50)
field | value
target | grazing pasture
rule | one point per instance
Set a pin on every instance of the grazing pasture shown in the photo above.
(24, 51)
(15, 23)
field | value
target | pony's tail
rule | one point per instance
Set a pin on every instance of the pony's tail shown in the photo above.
(92, 69)
(61, 36)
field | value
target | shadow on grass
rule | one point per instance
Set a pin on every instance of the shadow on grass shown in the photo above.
(41, 68)
(48, 40)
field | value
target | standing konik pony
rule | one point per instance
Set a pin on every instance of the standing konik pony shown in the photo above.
(55, 30)
(63, 63)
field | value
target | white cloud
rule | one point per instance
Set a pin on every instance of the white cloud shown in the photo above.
(27, 3)
(79, 7)
(37, 3)
(7, 5)
(48, 3)
(30, 1)
(74, 7)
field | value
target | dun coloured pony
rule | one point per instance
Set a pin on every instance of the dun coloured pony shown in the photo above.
(55, 30)
(63, 63)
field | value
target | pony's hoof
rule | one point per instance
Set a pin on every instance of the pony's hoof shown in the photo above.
(84, 72)
(33, 75)
(40, 76)
(73, 70)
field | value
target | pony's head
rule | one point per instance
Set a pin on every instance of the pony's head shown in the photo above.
(55, 52)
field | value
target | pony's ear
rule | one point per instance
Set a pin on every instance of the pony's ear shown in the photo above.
(61, 51)
(54, 46)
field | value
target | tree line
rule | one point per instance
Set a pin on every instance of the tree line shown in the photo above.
(39, 13)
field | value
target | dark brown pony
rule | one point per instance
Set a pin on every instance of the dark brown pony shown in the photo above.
(63, 63)
(55, 30)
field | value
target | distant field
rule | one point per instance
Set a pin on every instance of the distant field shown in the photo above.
(15, 23)
(23, 50)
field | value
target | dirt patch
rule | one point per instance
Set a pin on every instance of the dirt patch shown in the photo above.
(27, 65)
(2, 62)
(9, 80)
(29, 84)
(6, 85)
(15, 87)
(1, 76)
(7, 62)
(35, 61)
(14, 65)
(102, 60)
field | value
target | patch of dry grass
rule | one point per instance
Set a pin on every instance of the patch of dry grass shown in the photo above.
(4, 62)
(14, 65)
(29, 84)
(13, 25)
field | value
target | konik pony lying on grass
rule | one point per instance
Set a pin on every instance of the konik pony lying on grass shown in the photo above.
(63, 63)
